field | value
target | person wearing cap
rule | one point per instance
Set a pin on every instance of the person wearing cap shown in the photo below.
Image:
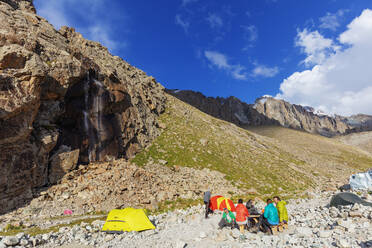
(228, 219)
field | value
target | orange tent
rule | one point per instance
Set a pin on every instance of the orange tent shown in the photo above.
(227, 203)
(220, 202)
(213, 204)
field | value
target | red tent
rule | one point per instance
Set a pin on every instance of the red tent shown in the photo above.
(227, 203)
(213, 204)
(219, 202)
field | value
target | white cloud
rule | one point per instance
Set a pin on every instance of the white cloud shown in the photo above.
(217, 59)
(95, 33)
(58, 13)
(214, 20)
(250, 32)
(265, 71)
(342, 82)
(331, 20)
(238, 72)
(315, 46)
(184, 24)
(53, 12)
(250, 35)
(220, 61)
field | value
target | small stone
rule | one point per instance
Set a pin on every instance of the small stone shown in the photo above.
(325, 234)
(366, 225)
(304, 231)
(220, 237)
(109, 237)
(65, 195)
(343, 243)
(355, 214)
(202, 235)
(35, 242)
(11, 241)
(345, 223)
(180, 244)
(45, 237)
(20, 235)
(23, 242)
(162, 162)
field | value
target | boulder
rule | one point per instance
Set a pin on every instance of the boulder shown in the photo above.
(11, 241)
(61, 163)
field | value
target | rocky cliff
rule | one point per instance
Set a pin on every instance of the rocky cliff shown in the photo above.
(64, 100)
(229, 109)
(271, 111)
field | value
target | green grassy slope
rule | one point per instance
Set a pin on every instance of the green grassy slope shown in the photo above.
(328, 157)
(253, 162)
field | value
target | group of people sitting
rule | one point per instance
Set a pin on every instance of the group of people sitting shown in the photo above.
(248, 217)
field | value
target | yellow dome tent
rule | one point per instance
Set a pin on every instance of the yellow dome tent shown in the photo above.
(126, 220)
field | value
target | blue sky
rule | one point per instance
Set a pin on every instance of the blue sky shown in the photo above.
(291, 49)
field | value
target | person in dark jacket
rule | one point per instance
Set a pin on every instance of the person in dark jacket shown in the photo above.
(252, 211)
(251, 208)
(207, 198)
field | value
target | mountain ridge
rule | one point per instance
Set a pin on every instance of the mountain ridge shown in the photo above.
(271, 111)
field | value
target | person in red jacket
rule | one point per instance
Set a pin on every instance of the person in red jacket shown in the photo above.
(242, 215)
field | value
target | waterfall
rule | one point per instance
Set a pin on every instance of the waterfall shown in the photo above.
(97, 99)
(86, 116)
(86, 129)
(92, 116)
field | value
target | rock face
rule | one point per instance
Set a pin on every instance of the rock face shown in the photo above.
(271, 111)
(229, 109)
(59, 89)
(62, 162)
(359, 122)
(299, 117)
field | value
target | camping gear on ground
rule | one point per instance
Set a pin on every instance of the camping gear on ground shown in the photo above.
(127, 220)
(219, 202)
(213, 204)
(347, 198)
(345, 187)
(67, 212)
(361, 181)
(227, 203)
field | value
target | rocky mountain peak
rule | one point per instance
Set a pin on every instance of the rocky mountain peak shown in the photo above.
(25, 5)
(64, 100)
(267, 110)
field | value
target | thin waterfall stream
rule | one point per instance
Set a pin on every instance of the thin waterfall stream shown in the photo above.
(89, 123)
(92, 116)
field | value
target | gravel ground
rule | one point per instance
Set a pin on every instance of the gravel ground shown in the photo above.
(312, 224)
